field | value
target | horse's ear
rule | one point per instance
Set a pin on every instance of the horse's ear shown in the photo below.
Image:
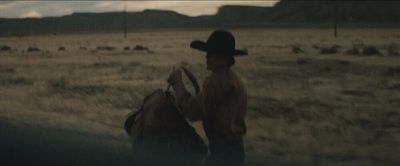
(144, 100)
(150, 95)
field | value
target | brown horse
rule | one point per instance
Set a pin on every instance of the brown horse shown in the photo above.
(161, 134)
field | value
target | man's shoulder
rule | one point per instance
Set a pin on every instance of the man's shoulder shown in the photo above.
(228, 79)
(236, 80)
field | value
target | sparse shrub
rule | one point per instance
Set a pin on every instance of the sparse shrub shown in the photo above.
(184, 63)
(364, 123)
(21, 81)
(130, 66)
(353, 51)
(317, 47)
(392, 113)
(391, 71)
(61, 48)
(107, 64)
(393, 53)
(394, 87)
(392, 50)
(127, 48)
(297, 50)
(326, 69)
(4, 81)
(342, 62)
(87, 89)
(271, 107)
(124, 69)
(140, 47)
(134, 64)
(371, 50)
(106, 48)
(33, 49)
(82, 48)
(6, 70)
(302, 61)
(5, 48)
(15, 81)
(357, 93)
(62, 86)
(58, 86)
(358, 43)
(309, 108)
(318, 82)
(333, 50)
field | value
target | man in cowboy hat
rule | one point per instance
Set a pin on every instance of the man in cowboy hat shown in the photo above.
(221, 105)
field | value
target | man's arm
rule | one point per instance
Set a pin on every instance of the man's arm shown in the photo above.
(191, 106)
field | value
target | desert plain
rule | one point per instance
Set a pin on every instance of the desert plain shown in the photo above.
(305, 106)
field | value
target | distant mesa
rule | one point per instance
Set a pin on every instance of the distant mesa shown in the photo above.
(5, 48)
(33, 49)
(106, 48)
(285, 13)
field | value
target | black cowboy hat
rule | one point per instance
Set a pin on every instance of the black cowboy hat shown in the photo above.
(220, 42)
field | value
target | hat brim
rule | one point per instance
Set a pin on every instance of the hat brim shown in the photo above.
(202, 46)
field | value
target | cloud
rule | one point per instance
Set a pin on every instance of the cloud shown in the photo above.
(31, 14)
(20, 9)
(109, 5)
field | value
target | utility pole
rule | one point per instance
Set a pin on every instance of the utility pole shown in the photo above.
(124, 19)
(335, 17)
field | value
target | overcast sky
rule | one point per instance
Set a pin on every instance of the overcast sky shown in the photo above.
(23, 9)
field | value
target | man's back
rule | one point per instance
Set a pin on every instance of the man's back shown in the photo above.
(225, 107)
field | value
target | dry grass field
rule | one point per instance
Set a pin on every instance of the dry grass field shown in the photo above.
(304, 108)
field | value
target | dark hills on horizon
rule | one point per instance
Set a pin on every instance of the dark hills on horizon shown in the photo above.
(286, 13)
